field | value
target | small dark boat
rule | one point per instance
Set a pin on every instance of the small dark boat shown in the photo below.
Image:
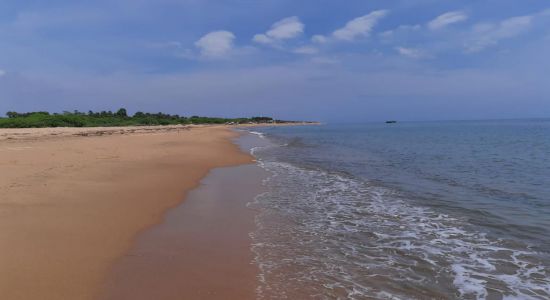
(391, 122)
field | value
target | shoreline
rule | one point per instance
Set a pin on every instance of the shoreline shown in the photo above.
(201, 250)
(74, 202)
(45, 133)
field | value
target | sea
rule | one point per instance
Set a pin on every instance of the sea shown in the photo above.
(411, 210)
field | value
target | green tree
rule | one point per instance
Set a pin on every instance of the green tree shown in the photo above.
(12, 114)
(121, 113)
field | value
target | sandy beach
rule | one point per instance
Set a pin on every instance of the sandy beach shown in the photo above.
(201, 250)
(73, 200)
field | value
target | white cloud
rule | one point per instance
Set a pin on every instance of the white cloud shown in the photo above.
(407, 29)
(306, 50)
(286, 28)
(361, 26)
(318, 38)
(447, 19)
(411, 52)
(216, 44)
(262, 39)
(488, 34)
(2, 73)
(186, 54)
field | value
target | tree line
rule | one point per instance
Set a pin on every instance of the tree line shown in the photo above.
(109, 118)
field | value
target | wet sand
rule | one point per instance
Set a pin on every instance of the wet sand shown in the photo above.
(201, 250)
(73, 200)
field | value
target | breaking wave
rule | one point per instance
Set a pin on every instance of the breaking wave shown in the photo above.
(331, 236)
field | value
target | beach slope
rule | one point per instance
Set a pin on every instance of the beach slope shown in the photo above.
(72, 200)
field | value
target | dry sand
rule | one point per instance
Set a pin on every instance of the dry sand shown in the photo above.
(72, 200)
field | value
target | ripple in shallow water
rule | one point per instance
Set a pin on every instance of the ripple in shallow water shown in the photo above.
(328, 236)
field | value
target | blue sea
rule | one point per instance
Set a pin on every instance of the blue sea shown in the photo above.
(412, 210)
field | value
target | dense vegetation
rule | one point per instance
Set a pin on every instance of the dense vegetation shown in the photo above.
(109, 118)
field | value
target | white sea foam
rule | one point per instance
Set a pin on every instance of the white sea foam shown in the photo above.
(328, 236)
(254, 149)
(261, 135)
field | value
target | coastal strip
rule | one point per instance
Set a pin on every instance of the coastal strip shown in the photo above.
(202, 249)
(73, 200)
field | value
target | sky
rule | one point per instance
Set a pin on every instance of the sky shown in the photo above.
(327, 60)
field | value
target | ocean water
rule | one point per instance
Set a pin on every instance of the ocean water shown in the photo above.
(434, 210)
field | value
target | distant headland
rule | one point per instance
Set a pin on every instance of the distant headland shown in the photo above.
(76, 118)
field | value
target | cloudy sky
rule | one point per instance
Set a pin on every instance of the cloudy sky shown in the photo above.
(330, 60)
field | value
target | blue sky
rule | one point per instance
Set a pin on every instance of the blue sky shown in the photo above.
(329, 60)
